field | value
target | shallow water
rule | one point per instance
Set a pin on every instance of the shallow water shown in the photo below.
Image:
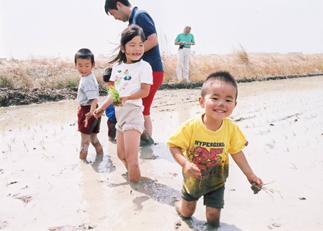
(44, 186)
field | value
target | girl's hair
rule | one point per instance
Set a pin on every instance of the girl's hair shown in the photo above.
(84, 53)
(127, 35)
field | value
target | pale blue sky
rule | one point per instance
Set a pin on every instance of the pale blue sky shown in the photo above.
(52, 28)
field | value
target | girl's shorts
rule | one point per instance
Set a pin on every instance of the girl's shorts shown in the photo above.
(129, 117)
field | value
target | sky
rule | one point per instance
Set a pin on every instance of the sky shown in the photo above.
(49, 29)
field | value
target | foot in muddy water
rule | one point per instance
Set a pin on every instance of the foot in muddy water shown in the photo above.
(83, 155)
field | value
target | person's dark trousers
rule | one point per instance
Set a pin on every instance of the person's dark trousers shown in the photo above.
(111, 128)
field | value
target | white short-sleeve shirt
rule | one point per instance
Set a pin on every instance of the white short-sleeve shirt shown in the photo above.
(128, 78)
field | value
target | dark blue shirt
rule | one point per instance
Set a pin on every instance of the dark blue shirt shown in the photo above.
(148, 26)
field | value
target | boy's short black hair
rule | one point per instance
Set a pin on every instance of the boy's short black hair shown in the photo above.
(107, 74)
(84, 53)
(222, 76)
(112, 4)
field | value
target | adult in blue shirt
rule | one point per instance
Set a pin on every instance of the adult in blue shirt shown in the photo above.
(122, 10)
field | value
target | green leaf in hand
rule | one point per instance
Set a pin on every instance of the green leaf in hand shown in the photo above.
(115, 96)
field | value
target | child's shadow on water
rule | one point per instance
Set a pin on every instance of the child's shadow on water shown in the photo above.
(152, 189)
(157, 191)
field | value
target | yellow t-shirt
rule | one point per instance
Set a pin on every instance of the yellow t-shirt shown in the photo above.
(209, 151)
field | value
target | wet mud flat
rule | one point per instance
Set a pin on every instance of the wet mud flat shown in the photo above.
(44, 186)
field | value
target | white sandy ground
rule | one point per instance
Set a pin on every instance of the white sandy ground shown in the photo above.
(44, 186)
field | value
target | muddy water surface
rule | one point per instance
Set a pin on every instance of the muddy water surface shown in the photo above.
(44, 186)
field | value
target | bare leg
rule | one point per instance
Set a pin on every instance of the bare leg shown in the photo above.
(85, 142)
(96, 143)
(213, 216)
(121, 149)
(185, 208)
(131, 148)
(148, 125)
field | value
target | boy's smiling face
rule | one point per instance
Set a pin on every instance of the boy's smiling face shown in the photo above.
(219, 100)
(84, 66)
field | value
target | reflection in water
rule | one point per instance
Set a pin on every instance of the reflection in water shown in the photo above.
(103, 164)
(158, 151)
(92, 193)
(147, 153)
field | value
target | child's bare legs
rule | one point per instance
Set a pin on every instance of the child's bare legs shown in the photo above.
(213, 216)
(127, 148)
(185, 208)
(96, 143)
(85, 142)
(120, 148)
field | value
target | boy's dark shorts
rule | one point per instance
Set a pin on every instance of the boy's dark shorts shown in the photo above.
(214, 199)
(93, 125)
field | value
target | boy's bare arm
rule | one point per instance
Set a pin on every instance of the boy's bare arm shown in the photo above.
(151, 42)
(98, 112)
(243, 164)
(94, 103)
(189, 168)
(88, 115)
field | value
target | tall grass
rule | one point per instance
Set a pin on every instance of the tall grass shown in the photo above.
(248, 66)
(60, 73)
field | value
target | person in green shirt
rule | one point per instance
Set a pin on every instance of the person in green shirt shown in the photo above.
(184, 41)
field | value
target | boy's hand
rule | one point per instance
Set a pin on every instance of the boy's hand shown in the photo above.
(190, 169)
(253, 179)
(87, 117)
(97, 113)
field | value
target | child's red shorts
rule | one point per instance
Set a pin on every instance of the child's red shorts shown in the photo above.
(93, 125)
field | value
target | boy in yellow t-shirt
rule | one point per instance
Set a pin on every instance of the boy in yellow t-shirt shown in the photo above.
(202, 146)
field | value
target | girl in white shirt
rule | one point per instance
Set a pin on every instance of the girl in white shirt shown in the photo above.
(132, 78)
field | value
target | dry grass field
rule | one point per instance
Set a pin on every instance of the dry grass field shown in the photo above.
(60, 73)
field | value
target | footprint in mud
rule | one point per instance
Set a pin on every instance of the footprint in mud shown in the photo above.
(82, 227)
(3, 224)
(26, 199)
(274, 226)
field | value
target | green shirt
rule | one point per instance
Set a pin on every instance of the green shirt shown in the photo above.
(188, 38)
